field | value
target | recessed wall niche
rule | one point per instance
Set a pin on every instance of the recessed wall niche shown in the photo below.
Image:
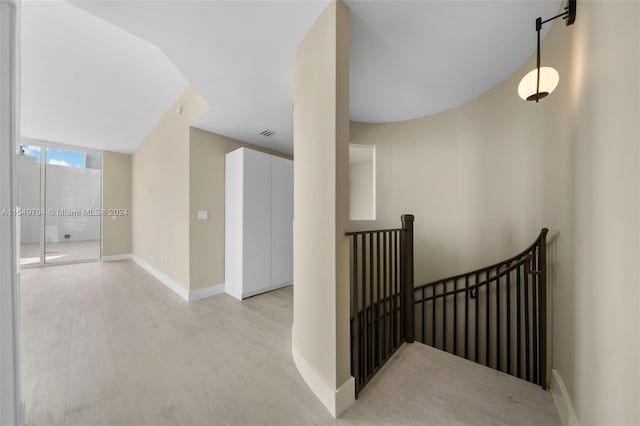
(362, 182)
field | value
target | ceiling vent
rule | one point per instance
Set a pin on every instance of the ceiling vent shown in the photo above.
(267, 133)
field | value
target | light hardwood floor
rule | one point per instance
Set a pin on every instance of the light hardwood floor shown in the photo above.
(106, 344)
(63, 251)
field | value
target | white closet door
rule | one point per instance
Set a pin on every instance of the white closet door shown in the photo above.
(234, 164)
(281, 221)
(257, 222)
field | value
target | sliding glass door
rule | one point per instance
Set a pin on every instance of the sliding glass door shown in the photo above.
(72, 199)
(61, 205)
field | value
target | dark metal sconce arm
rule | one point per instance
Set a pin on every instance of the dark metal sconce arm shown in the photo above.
(570, 15)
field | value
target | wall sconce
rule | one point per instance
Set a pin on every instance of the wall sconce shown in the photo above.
(541, 81)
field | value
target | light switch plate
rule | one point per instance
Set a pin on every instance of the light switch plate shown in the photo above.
(203, 215)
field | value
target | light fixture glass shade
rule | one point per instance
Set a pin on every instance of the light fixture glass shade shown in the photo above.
(549, 79)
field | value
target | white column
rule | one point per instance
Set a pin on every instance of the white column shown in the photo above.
(10, 398)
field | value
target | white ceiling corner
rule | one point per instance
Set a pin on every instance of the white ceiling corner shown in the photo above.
(237, 54)
(88, 83)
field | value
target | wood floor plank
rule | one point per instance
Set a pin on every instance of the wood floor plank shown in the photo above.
(106, 343)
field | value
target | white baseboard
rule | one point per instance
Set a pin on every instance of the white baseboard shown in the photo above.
(232, 294)
(345, 395)
(256, 292)
(201, 293)
(562, 400)
(334, 400)
(187, 295)
(164, 279)
(116, 257)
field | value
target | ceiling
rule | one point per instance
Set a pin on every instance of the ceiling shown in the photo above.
(237, 54)
(408, 59)
(88, 83)
(415, 58)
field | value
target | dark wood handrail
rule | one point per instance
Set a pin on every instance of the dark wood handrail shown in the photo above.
(496, 277)
(542, 234)
(372, 231)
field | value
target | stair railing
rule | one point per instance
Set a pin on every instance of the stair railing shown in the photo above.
(495, 316)
(381, 297)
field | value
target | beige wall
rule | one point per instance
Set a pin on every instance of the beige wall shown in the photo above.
(600, 355)
(483, 178)
(176, 172)
(160, 191)
(321, 201)
(206, 192)
(116, 194)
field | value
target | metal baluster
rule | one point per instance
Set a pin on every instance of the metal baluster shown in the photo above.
(498, 330)
(477, 315)
(508, 280)
(518, 323)
(392, 258)
(385, 349)
(487, 337)
(542, 305)
(534, 313)
(371, 306)
(433, 315)
(527, 354)
(455, 317)
(466, 318)
(365, 327)
(424, 321)
(355, 355)
(444, 316)
(398, 301)
(378, 351)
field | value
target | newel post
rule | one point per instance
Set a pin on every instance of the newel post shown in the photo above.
(406, 270)
(542, 306)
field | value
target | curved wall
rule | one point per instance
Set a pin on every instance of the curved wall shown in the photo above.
(479, 178)
(320, 333)
(483, 178)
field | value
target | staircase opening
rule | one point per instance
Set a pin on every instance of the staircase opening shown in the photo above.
(495, 316)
